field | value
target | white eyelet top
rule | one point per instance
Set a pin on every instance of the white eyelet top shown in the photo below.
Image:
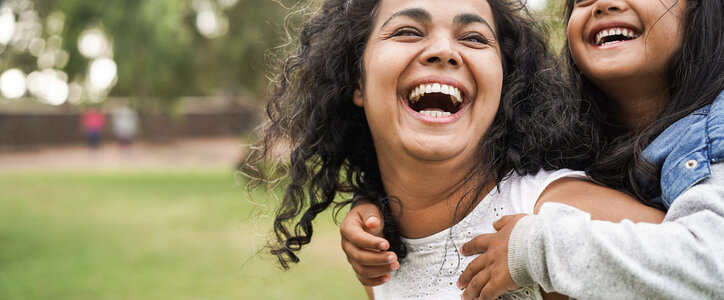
(433, 263)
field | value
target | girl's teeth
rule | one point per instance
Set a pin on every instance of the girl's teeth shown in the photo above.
(614, 31)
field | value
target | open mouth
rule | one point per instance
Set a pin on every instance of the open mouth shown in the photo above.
(435, 99)
(614, 35)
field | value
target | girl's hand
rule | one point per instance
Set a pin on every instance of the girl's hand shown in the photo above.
(364, 246)
(487, 276)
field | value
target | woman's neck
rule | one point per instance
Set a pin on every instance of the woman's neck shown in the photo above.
(427, 195)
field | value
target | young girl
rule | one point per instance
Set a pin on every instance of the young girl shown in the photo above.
(438, 113)
(654, 70)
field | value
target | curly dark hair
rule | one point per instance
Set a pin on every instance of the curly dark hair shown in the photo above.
(311, 111)
(695, 78)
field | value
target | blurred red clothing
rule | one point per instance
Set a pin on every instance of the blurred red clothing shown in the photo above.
(93, 120)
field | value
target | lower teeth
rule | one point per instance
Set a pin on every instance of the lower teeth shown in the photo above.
(435, 113)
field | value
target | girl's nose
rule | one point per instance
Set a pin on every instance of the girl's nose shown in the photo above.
(605, 7)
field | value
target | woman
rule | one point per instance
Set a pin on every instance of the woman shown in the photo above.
(438, 112)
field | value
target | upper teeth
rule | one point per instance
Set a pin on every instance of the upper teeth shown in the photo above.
(423, 89)
(615, 31)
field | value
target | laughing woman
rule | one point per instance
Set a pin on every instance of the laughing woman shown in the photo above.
(444, 114)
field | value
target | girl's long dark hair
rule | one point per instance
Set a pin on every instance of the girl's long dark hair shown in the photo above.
(695, 78)
(311, 113)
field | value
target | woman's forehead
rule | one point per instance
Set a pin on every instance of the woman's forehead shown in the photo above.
(434, 10)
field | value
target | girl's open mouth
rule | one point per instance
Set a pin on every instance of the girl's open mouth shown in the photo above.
(613, 35)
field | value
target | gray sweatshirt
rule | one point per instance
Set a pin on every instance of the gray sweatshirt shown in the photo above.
(563, 250)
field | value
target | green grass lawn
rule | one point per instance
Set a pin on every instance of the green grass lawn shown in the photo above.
(152, 235)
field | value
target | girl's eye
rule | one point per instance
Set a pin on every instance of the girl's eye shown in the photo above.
(407, 32)
(475, 38)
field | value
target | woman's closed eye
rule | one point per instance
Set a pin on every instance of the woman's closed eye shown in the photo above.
(406, 32)
(475, 38)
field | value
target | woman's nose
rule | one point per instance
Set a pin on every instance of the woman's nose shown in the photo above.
(441, 51)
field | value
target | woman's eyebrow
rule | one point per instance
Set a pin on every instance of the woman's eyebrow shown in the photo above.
(465, 19)
(415, 13)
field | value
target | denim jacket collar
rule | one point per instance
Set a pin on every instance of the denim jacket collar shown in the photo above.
(685, 152)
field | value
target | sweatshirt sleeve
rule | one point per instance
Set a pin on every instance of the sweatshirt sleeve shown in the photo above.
(563, 250)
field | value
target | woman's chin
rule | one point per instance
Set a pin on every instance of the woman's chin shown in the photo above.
(440, 150)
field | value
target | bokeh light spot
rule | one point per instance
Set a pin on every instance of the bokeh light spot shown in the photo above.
(537, 5)
(102, 73)
(7, 26)
(92, 43)
(12, 83)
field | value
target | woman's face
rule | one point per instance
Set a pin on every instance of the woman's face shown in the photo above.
(432, 79)
(632, 40)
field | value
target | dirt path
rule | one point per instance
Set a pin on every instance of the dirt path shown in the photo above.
(203, 153)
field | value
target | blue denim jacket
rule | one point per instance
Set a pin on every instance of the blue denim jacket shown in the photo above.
(685, 152)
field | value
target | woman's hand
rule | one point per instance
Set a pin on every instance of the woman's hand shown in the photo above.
(487, 276)
(364, 246)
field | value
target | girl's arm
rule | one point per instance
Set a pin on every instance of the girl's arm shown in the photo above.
(600, 202)
(370, 293)
(490, 270)
(362, 242)
(682, 258)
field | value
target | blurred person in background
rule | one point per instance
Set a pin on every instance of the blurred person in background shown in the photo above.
(93, 122)
(125, 125)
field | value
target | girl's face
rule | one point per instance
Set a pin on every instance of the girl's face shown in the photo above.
(614, 41)
(432, 79)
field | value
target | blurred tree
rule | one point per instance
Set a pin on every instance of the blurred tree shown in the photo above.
(160, 48)
(552, 15)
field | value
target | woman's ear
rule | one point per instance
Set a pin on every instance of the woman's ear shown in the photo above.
(358, 96)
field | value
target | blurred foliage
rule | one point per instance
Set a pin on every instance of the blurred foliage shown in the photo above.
(161, 54)
(552, 17)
